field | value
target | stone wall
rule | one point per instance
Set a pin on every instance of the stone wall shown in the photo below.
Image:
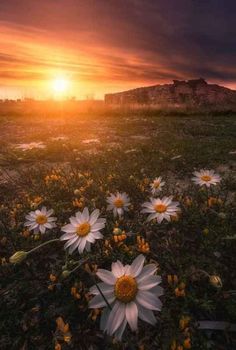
(182, 92)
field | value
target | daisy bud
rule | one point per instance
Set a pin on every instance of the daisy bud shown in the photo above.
(65, 273)
(215, 281)
(18, 257)
(76, 192)
(222, 215)
(117, 231)
(205, 231)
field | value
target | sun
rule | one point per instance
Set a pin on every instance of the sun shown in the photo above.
(60, 85)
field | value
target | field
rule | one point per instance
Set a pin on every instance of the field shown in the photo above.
(68, 161)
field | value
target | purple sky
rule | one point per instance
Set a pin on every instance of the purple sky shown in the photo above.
(108, 45)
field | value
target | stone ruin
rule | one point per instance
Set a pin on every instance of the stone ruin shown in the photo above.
(196, 92)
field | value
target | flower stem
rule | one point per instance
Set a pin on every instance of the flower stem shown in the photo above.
(105, 299)
(42, 245)
(81, 262)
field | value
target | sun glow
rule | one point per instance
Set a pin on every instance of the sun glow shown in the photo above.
(60, 85)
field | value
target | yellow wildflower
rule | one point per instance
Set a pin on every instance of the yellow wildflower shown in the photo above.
(187, 343)
(184, 322)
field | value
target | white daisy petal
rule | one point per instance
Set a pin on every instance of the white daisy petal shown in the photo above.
(106, 276)
(73, 246)
(117, 269)
(81, 245)
(148, 300)
(85, 214)
(120, 330)
(94, 216)
(147, 271)
(157, 290)
(98, 301)
(137, 265)
(71, 241)
(104, 318)
(149, 283)
(116, 317)
(131, 313)
(146, 315)
(105, 288)
(67, 236)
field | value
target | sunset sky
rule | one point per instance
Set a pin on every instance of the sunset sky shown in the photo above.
(105, 46)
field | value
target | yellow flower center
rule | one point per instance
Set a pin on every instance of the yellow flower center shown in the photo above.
(118, 203)
(206, 178)
(41, 219)
(160, 208)
(156, 184)
(126, 288)
(83, 229)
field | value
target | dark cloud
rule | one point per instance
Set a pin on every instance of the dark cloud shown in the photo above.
(127, 41)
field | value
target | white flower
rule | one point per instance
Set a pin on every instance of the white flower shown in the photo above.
(160, 209)
(119, 203)
(132, 292)
(206, 177)
(40, 220)
(83, 230)
(156, 185)
(31, 145)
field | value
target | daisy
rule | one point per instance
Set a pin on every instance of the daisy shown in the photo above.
(156, 185)
(83, 230)
(132, 292)
(160, 209)
(206, 177)
(40, 220)
(119, 203)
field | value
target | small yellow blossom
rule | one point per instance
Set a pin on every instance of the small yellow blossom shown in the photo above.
(52, 278)
(57, 346)
(214, 201)
(175, 217)
(64, 329)
(188, 201)
(172, 279)
(79, 203)
(95, 313)
(52, 178)
(25, 233)
(184, 322)
(187, 343)
(180, 290)
(75, 293)
(142, 245)
(118, 235)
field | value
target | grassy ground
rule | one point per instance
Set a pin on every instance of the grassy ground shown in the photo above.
(96, 154)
